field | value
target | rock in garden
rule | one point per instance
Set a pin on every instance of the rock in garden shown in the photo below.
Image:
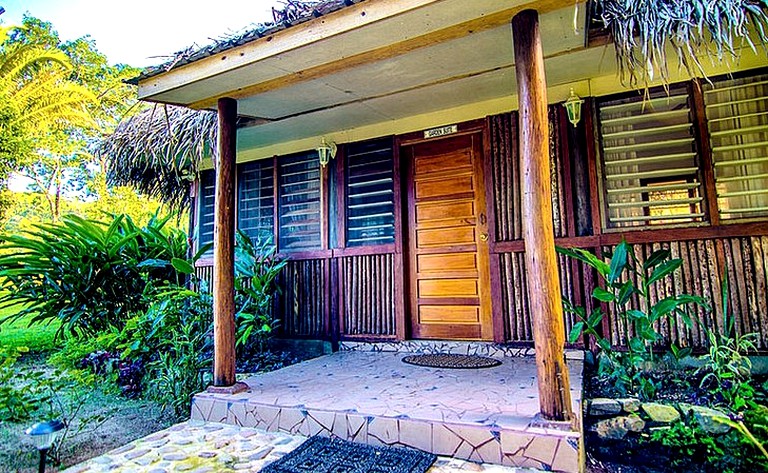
(601, 406)
(660, 413)
(629, 404)
(618, 427)
(708, 420)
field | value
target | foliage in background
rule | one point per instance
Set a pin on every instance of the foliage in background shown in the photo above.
(634, 304)
(643, 30)
(257, 266)
(74, 97)
(89, 275)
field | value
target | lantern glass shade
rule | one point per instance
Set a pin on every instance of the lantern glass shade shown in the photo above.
(44, 434)
(326, 151)
(573, 108)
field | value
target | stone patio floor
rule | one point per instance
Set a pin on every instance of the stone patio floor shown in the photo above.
(482, 415)
(203, 447)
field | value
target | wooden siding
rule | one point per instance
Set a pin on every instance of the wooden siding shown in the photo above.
(705, 251)
(505, 167)
(515, 301)
(368, 295)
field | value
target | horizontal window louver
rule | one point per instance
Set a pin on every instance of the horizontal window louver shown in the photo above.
(207, 195)
(737, 118)
(370, 209)
(650, 166)
(256, 199)
(299, 199)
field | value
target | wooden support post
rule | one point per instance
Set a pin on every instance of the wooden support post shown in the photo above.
(540, 258)
(224, 248)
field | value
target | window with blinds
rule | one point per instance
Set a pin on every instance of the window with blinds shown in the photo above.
(737, 118)
(256, 199)
(206, 194)
(299, 200)
(649, 161)
(370, 184)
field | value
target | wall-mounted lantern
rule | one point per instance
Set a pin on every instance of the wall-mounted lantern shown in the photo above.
(326, 151)
(573, 108)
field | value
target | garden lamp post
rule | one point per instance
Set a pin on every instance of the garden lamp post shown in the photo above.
(44, 435)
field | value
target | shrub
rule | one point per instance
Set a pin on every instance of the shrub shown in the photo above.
(256, 269)
(89, 275)
(727, 368)
(179, 330)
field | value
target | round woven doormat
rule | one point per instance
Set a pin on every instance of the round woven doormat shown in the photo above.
(451, 361)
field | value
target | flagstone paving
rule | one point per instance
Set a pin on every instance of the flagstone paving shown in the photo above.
(202, 447)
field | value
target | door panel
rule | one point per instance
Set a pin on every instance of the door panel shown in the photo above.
(447, 240)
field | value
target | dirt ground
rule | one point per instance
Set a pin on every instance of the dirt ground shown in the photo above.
(133, 419)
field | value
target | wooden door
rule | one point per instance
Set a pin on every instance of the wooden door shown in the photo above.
(447, 240)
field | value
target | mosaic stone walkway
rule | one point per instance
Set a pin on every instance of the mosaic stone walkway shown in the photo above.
(200, 447)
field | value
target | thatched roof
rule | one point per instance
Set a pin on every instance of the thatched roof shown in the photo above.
(695, 29)
(158, 151)
(291, 14)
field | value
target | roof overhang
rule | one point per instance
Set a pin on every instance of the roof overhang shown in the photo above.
(378, 61)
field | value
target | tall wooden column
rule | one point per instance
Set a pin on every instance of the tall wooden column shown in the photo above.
(224, 248)
(540, 257)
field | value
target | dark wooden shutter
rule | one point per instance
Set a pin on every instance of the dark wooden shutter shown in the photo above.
(207, 194)
(370, 211)
(299, 196)
(256, 199)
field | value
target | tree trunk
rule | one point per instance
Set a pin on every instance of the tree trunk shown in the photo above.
(224, 248)
(540, 257)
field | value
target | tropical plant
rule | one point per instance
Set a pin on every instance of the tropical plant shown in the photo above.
(33, 78)
(727, 368)
(88, 274)
(257, 266)
(642, 32)
(632, 303)
(178, 328)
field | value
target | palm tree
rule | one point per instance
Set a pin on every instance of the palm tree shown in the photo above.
(33, 82)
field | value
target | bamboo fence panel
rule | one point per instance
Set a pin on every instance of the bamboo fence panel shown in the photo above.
(302, 299)
(368, 295)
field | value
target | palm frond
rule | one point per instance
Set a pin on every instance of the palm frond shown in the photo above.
(158, 151)
(644, 30)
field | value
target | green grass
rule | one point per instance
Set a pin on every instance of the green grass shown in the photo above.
(38, 338)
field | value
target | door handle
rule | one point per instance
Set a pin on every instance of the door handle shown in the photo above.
(483, 237)
(483, 220)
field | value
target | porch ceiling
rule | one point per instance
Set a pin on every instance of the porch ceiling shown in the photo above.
(376, 61)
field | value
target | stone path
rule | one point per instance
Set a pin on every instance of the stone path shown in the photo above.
(200, 447)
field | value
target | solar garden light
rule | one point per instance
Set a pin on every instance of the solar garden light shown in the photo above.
(573, 108)
(44, 435)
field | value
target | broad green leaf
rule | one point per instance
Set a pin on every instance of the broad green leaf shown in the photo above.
(656, 257)
(595, 318)
(663, 270)
(182, 266)
(618, 261)
(626, 291)
(602, 295)
(575, 333)
(585, 257)
(663, 307)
